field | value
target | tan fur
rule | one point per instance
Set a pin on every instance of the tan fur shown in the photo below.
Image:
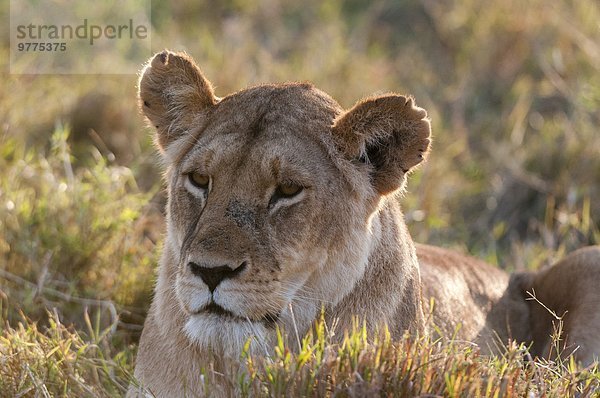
(569, 290)
(340, 243)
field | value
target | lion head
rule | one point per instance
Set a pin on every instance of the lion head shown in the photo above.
(272, 196)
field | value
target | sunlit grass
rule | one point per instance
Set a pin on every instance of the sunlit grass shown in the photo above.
(72, 237)
(58, 361)
(62, 361)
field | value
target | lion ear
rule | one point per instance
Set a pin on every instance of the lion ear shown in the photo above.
(389, 132)
(174, 95)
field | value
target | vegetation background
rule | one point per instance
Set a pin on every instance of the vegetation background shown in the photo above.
(513, 91)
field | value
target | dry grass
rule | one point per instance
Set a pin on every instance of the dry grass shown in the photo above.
(60, 361)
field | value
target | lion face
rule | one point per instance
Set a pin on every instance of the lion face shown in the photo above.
(271, 195)
(252, 205)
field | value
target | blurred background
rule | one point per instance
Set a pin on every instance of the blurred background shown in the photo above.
(512, 88)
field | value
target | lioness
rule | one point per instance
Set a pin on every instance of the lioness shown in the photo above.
(281, 203)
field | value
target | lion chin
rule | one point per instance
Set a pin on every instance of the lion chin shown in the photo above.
(226, 335)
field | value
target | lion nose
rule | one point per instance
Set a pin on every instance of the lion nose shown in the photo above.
(213, 276)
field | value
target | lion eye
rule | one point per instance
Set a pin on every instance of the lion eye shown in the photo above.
(199, 180)
(288, 190)
(285, 191)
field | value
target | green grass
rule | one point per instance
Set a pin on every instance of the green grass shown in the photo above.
(69, 235)
(513, 90)
(57, 361)
(60, 361)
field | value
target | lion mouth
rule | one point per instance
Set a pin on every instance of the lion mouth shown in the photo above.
(214, 308)
(269, 319)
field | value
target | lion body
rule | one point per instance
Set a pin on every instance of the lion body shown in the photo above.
(281, 203)
(569, 290)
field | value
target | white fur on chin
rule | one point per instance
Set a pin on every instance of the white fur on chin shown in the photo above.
(225, 336)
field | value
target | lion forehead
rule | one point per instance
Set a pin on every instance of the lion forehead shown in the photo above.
(276, 153)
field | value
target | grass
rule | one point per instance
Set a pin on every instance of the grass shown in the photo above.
(60, 361)
(513, 91)
(72, 233)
